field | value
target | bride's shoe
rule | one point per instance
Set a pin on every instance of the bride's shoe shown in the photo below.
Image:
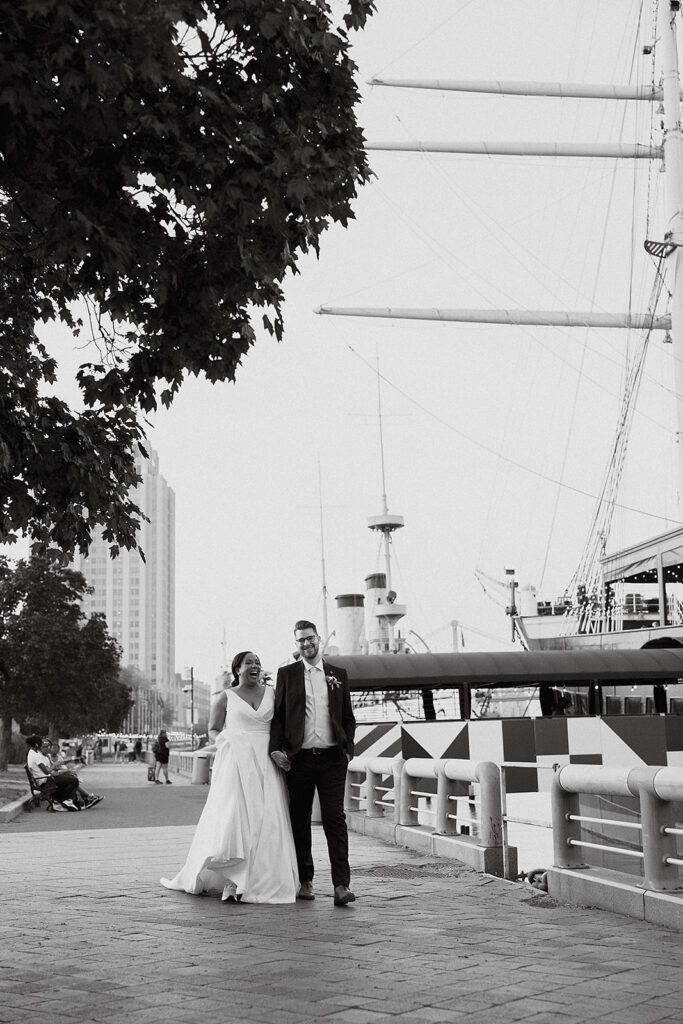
(229, 893)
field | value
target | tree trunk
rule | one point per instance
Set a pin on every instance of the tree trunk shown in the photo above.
(5, 741)
(428, 705)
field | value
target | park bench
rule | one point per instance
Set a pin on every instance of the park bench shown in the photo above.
(38, 793)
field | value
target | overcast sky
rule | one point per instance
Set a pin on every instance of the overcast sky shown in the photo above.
(479, 422)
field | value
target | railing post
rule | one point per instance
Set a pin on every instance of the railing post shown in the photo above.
(372, 794)
(445, 788)
(353, 775)
(406, 815)
(397, 769)
(491, 817)
(564, 804)
(657, 846)
(504, 822)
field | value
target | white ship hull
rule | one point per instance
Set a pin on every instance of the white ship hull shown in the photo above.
(547, 633)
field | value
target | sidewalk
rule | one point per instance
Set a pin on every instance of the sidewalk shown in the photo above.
(426, 941)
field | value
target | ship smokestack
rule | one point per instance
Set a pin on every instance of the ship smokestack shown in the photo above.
(375, 630)
(351, 623)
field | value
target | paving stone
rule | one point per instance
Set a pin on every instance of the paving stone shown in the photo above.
(494, 1015)
(641, 1014)
(358, 1016)
(454, 947)
(555, 1017)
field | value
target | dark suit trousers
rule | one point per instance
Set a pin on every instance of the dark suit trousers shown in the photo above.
(325, 772)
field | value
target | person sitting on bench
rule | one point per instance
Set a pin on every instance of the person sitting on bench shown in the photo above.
(60, 786)
(60, 765)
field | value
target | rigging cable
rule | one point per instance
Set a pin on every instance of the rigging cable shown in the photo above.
(587, 572)
(584, 348)
(506, 458)
(424, 38)
(462, 267)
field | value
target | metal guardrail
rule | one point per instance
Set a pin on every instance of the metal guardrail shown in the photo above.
(364, 790)
(655, 788)
(364, 787)
(180, 761)
(368, 790)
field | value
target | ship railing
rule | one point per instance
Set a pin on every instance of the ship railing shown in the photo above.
(416, 802)
(601, 620)
(657, 790)
(674, 610)
(611, 619)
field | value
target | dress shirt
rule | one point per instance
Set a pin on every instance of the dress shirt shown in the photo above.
(317, 725)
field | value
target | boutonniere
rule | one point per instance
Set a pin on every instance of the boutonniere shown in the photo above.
(332, 682)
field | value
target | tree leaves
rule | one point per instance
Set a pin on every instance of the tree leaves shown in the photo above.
(166, 163)
(54, 664)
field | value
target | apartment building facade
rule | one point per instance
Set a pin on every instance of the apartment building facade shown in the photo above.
(138, 597)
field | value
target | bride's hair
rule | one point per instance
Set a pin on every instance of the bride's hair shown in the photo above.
(236, 665)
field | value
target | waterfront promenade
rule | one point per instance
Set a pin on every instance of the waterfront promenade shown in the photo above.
(88, 934)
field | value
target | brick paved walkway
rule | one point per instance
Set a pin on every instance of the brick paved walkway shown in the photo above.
(426, 941)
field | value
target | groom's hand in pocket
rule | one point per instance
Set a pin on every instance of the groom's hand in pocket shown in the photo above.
(281, 760)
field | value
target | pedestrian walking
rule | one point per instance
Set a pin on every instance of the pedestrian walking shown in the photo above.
(161, 751)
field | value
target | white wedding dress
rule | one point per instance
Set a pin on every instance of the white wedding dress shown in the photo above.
(244, 834)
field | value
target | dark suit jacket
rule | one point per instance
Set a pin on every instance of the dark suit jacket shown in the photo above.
(287, 727)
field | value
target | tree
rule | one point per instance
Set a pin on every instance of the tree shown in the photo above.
(56, 667)
(163, 164)
(103, 698)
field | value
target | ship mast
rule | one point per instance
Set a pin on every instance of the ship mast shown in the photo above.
(673, 164)
(388, 612)
(671, 151)
(576, 90)
(386, 531)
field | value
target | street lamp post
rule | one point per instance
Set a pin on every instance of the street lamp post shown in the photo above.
(191, 691)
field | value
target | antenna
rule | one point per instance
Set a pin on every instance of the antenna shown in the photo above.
(322, 555)
(387, 612)
(384, 524)
(385, 507)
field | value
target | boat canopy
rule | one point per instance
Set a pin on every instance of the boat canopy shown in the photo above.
(509, 668)
(641, 562)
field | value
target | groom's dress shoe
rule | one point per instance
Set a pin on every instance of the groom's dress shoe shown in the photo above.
(342, 896)
(305, 891)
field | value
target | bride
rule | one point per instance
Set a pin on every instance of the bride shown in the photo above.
(243, 844)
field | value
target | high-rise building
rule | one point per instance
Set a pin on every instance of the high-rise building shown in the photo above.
(138, 597)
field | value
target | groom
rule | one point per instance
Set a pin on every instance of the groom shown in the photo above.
(311, 739)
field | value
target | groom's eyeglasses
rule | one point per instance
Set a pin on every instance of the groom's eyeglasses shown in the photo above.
(303, 640)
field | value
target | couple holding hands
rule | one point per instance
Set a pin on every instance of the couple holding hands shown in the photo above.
(276, 748)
